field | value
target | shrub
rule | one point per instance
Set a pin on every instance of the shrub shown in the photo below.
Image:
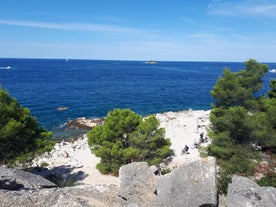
(44, 164)
(268, 180)
(223, 179)
(59, 180)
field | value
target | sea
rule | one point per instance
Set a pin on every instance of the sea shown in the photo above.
(91, 88)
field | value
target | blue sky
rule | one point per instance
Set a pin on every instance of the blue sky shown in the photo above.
(177, 30)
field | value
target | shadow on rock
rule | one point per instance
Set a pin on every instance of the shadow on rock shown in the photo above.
(8, 184)
(62, 176)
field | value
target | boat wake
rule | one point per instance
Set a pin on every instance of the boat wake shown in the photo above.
(5, 68)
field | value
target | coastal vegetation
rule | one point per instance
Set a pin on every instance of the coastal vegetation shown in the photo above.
(21, 138)
(126, 137)
(243, 122)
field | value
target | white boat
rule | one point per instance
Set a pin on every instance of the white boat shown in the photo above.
(62, 108)
(272, 70)
(8, 67)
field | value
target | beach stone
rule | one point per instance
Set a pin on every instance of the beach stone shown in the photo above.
(138, 184)
(16, 179)
(190, 185)
(243, 192)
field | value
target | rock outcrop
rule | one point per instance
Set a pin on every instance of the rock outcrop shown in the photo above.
(243, 192)
(138, 184)
(20, 188)
(84, 123)
(77, 196)
(15, 179)
(192, 184)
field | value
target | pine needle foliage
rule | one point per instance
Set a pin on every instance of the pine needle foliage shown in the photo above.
(21, 138)
(126, 137)
(241, 119)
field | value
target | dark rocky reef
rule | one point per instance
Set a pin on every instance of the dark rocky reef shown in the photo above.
(83, 123)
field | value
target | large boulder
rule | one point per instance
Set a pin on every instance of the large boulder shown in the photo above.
(16, 179)
(192, 185)
(243, 192)
(77, 196)
(138, 184)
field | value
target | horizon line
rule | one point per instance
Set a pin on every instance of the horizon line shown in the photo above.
(133, 60)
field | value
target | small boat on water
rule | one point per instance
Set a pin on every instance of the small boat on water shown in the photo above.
(272, 70)
(62, 108)
(8, 67)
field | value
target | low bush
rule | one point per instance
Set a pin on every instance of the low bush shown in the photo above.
(59, 180)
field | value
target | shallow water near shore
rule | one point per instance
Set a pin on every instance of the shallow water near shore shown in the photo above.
(91, 88)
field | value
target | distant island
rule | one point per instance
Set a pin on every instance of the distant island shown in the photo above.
(151, 62)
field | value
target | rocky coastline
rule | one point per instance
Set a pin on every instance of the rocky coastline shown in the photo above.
(192, 181)
(83, 123)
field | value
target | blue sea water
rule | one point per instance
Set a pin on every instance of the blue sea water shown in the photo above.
(91, 88)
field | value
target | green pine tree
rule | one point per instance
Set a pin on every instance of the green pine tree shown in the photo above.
(126, 137)
(20, 136)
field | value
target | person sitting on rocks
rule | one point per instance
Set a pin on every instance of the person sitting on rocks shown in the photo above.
(185, 150)
(201, 139)
(67, 154)
(201, 134)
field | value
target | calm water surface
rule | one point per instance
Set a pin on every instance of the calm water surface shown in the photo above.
(91, 88)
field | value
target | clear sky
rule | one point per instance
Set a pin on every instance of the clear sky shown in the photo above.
(178, 30)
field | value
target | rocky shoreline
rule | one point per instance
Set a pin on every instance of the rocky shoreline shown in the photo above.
(73, 158)
(191, 183)
(84, 123)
